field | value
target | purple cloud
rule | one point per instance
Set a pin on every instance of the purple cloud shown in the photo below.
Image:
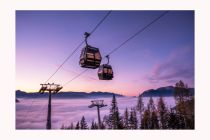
(177, 66)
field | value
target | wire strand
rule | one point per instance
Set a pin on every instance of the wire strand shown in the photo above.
(65, 60)
(71, 54)
(138, 32)
(75, 77)
(130, 38)
(94, 29)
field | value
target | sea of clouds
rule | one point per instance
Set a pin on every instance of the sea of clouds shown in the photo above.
(32, 113)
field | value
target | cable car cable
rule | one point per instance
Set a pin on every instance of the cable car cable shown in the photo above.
(130, 38)
(65, 61)
(138, 32)
(105, 71)
(94, 29)
(75, 77)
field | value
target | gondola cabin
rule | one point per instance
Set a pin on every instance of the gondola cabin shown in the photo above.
(105, 72)
(90, 57)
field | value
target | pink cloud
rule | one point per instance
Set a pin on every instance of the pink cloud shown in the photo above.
(177, 66)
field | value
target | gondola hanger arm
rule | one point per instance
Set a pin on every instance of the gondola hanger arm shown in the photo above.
(107, 56)
(86, 36)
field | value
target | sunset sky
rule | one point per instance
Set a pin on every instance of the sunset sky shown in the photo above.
(160, 56)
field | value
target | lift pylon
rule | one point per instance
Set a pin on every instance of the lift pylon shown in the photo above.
(99, 104)
(51, 88)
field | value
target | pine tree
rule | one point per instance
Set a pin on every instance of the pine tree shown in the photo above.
(145, 121)
(184, 106)
(190, 113)
(140, 108)
(133, 119)
(72, 126)
(102, 126)
(181, 92)
(114, 116)
(153, 121)
(77, 126)
(173, 122)
(151, 105)
(94, 125)
(126, 121)
(83, 124)
(107, 122)
(62, 127)
(162, 114)
(181, 121)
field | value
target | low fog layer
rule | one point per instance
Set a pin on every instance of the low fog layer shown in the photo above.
(32, 113)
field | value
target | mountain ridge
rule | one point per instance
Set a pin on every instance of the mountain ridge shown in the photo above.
(167, 91)
(69, 94)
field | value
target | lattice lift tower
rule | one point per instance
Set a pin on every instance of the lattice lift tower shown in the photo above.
(99, 104)
(52, 89)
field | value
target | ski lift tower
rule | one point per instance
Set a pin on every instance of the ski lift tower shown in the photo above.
(99, 104)
(52, 89)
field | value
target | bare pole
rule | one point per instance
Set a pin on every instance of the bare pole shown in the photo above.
(48, 125)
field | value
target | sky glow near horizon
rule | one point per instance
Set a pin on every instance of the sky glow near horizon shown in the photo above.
(160, 56)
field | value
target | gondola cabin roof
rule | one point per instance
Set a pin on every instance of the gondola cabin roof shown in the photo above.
(106, 66)
(91, 49)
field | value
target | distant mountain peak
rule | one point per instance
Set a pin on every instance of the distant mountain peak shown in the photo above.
(162, 91)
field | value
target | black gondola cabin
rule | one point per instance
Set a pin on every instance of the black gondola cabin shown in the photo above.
(105, 72)
(90, 56)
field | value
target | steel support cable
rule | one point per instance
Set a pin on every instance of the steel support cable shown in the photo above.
(71, 54)
(138, 32)
(130, 38)
(75, 77)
